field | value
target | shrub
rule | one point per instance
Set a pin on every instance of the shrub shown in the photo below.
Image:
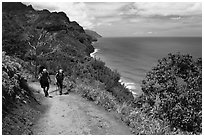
(12, 81)
(173, 89)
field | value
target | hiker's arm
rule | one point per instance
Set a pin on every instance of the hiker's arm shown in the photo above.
(56, 77)
(49, 78)
(39, 76)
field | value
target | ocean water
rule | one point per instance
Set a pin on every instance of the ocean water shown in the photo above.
(133, 57)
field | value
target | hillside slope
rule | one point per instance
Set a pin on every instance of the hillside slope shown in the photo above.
(94, 35)
(42, 38)
(50, 39)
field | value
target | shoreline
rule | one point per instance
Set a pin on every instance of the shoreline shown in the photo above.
(133, 87)
(93, 53)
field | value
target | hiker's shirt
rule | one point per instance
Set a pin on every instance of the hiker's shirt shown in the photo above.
(59, 77)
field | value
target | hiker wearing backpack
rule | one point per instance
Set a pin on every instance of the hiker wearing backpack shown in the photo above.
(59, 79)
(44, 81)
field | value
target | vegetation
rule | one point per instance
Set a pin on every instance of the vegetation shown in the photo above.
(95, 91)
(171, 102)
(18, 100)
(173, 92)
(135, 118)
(13, 81)
(42, 38)
(96, 70)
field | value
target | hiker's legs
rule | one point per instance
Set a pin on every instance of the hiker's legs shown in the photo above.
(48, 87)
(45, 91)
(60, 90)
(60, 87)
(57, 84)
(45, 86)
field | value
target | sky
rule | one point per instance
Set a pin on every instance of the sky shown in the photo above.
(132, 19)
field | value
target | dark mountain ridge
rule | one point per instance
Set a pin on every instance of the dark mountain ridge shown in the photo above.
(14, 6)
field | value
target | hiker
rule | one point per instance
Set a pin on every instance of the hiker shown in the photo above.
(59, 79)
(44, 81)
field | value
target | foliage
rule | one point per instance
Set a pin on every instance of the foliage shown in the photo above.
(94, 69)
(140, 122)
(21, 35)
(173, 91)
(95, 91)
(52, 40)
(11, 37)
(12, 81)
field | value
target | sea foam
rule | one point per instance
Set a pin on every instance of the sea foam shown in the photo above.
(134, 88)
(93, 54)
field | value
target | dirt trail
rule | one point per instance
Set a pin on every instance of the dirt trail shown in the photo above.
(72, 115)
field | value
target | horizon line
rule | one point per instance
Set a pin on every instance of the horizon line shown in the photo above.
(152, 36)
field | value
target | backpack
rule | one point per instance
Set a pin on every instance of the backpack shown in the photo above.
(44, 77)
(60, 76)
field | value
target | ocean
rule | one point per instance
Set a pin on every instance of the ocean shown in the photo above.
(133, 57)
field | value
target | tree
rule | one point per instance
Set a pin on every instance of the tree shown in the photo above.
(173, 90)
(36, 40)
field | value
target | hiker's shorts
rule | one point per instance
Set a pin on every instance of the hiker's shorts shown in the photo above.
(44, 84)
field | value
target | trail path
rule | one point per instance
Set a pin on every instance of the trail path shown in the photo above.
(73, 115)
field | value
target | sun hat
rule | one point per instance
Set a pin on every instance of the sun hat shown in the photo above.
(60, 70)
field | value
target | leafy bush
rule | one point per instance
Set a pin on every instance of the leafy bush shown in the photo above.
(173, 90)
(12, 81)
